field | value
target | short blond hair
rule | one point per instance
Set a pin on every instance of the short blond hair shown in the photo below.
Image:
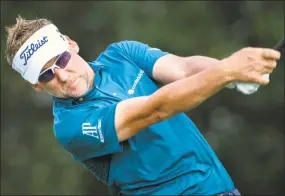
(17, 34)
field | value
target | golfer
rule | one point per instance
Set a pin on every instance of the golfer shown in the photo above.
(112, 117)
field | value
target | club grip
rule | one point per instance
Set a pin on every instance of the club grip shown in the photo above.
(279, 45)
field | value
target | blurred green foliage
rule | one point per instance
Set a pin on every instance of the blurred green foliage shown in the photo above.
(247, 132)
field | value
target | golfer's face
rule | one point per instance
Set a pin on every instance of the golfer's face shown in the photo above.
(73, 80)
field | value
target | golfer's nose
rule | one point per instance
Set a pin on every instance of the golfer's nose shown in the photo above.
(61, 74)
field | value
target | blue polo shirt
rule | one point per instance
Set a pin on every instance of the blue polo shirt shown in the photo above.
(170, 157)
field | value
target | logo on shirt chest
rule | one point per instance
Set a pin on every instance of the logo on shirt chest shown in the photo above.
(135, 83)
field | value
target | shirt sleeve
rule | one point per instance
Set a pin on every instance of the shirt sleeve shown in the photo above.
(88, 133)
(142, 55)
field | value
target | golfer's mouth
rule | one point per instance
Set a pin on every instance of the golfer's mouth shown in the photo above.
(73, 84)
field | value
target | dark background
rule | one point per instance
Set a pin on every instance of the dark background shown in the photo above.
(246, 132)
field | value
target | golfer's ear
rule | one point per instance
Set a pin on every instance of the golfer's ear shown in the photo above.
(73, 44)
(37, 87)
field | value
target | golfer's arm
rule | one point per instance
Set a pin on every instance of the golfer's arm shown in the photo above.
(135, 114)
(171, 68)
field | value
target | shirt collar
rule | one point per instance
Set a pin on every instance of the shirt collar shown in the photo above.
(97, 67)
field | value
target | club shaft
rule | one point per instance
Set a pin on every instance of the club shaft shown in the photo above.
(279, 45)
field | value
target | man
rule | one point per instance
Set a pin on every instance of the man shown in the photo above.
(112, 117)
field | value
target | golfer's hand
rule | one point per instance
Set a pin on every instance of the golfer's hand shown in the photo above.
(250, 64)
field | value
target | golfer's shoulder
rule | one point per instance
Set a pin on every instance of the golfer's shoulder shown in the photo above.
(73, 116)
(125, 45)
(63, 124)
(69, 120)
(77, 110)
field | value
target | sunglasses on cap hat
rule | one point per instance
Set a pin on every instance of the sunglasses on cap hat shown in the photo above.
(60, 62)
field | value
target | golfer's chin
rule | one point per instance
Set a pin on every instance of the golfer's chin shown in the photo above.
(75, 93)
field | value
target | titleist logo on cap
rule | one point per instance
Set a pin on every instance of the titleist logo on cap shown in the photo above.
(31, 49)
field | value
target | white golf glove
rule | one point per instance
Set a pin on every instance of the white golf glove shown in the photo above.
(246, 88)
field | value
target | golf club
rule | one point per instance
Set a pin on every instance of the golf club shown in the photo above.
(279, 45)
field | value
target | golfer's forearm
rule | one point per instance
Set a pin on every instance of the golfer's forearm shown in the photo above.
(135, 114)
(185, 94)
(196, 64)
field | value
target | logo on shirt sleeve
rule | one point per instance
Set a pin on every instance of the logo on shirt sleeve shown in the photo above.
(93, 131)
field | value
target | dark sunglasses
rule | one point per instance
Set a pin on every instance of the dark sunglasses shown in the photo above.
(61, 62)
